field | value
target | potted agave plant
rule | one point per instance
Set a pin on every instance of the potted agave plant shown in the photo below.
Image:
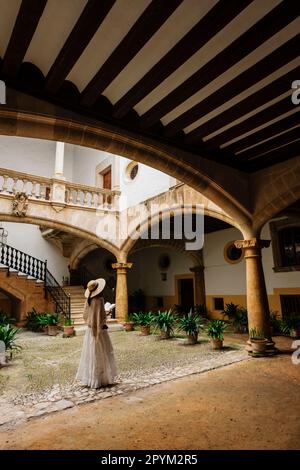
(190, 323)
(144, 320)
(215, 331)
(129, 324)
(164, 321)
(53, 320)
(69, 327)
(258, 342)
(291, 326)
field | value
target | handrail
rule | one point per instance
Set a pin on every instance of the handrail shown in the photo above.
(36, 268)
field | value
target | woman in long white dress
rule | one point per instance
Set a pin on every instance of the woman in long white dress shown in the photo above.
(97, 367)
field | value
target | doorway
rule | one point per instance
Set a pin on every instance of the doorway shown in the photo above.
(186, 293)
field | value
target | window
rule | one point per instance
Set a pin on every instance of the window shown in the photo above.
(286, 245)
(131, 171)
(219, 303)
(232, 254)
(164, 262)
(289, 241)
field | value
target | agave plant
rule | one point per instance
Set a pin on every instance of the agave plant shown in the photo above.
(216, 329)
(230, 310)
(142, 318)
(5, 319)
(8, 336)
(190, 323)
(164, 321)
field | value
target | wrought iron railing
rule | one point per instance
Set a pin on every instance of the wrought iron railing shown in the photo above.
(61, 299)
(36, 268)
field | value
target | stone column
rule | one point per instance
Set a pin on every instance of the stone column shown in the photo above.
(59, 160)
(199, 284)
(121, 291)
(257, 298)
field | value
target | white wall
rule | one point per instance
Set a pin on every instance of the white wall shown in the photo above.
(28, 238)
(145, 273)
(148, 183)
(224, 278)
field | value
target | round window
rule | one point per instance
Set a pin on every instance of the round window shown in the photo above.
(132, 171)
(164, 262)
(232, 254)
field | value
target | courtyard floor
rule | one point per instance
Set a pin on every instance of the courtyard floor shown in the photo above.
(252, 404)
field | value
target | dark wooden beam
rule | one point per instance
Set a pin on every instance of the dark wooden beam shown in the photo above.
(260, 118)
(269, 25)
(215, 20)
(26, 23)
(86, 26)
(266, 133)
(240, 83)
(281, 154)
(262, 96)
(149, 22)
(282, 139)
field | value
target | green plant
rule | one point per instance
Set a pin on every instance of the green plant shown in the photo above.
(216, 328)
(200, 309)
(275, 321)
(256, 334)
(68, 322)
(35, 321)
(5, 319)
(8, 336)
(230, 310)
(240, 321)
(290, 323)
(52, 319)
(164, 321)
(142, 318)
(190, 323)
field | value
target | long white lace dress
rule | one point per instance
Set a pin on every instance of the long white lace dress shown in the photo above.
(97, 367)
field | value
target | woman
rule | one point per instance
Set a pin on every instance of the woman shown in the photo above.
(97, 366)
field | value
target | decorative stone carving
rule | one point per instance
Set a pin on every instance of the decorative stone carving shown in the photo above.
(20, 204)
(252, 243)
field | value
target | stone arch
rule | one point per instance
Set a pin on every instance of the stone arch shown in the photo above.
(59, 125)
(195, 256)
(83, 249)
(62, 226)
(129, 243)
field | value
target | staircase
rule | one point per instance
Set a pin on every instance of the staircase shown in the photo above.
(21, 264)
(77, 298)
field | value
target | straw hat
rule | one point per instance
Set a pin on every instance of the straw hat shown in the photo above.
(94, 288)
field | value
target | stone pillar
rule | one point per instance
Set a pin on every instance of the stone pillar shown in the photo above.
(121, 291)
(257, 298)
(199, 284)
(59, 160)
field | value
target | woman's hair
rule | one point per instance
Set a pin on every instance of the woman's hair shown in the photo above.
(89, 299)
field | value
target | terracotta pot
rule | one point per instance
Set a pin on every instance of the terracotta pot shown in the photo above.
(192, 339)
(145, 330)
(128, 325)
(295, 333)
(52, 330)
(216, 343)
(164, 335)
(69, 330)
(259, 346)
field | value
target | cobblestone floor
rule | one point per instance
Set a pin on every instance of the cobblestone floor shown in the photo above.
(24, 406)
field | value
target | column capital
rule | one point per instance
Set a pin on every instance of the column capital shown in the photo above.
(252, 243)
(121, 266)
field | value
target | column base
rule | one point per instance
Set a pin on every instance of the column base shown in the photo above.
(270, 350)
